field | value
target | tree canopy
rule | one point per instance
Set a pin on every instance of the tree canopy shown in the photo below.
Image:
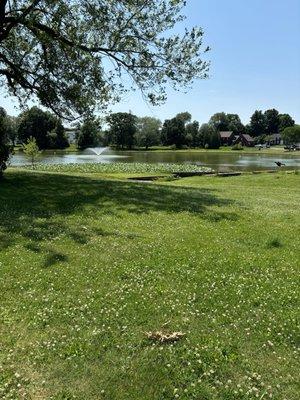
(12, 129)
(219, 121)
(234, 124)
(285, 121)
(291, 135)
(185, 117)
(258, 123)
(148, 133)
(192, 135)
(272, 121)
(45, 127)
(210, 136)
(122, 129)
(89, 133)
(173, 132)
(75, 56)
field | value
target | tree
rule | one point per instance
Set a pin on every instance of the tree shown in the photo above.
(234, 124)
(258, 123)
(12, 129)
(210, 136)
(215, 140)
(192, 134)
(220, 122)
(173, 132)
(248, 129)
(185, 117)
(57, 139)
(105, 138)
(261, 139)
(272, 121)
(74, 55)
(89, 133)
(45, 127)
(122, 129)
(5, 148)
(285, 121)
(35, 123)
(31, 150)
(291, 135)
(148, 133)
(61, 139)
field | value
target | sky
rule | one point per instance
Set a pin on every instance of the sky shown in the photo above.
(255, 62)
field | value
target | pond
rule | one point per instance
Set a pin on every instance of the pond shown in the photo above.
(219, 161)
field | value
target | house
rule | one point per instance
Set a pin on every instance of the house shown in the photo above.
(274, 139)
(71, 134)
(244, 139)
(226, 137)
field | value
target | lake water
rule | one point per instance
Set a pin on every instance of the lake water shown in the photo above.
(221, 161)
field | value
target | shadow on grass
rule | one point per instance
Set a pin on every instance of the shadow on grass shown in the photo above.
(54, 257)
(30, 203)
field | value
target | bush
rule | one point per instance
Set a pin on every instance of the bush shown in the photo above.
(237, 146)
(5, 148)
(5, 152)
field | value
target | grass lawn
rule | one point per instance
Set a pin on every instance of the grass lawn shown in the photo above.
(88, 265)
(71, 149)
(273, 150)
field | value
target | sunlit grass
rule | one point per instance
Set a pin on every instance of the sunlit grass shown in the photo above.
(88, 266)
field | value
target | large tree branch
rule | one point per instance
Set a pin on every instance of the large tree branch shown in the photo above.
(125, 26)
(2, 9)
(17, 73)
(61, 50)
(36, 27)
(2, 13)
(6, 28)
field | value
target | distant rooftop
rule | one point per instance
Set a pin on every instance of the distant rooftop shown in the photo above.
(226, 134)
(248, 137)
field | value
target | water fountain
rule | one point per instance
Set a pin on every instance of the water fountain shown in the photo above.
(97, 150)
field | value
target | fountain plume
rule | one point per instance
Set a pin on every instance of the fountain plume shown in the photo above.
(97, 150)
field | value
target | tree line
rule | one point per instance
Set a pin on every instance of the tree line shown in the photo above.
(124, 130)
(45, 127)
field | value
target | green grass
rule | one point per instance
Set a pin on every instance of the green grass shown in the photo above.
(71, 149)
(273, 150)
(89, 265)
